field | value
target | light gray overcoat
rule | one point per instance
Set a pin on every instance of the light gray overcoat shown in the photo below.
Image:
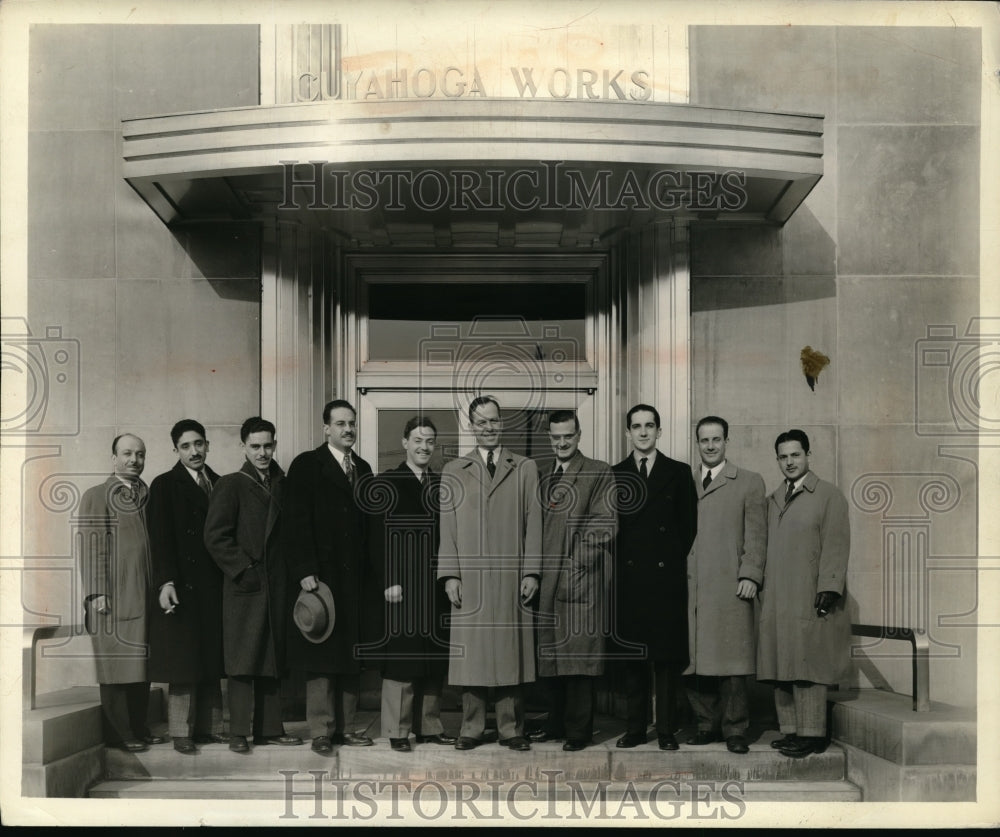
(491, 537)
(808, 545)
(730, 545)
(578, 530)
(115, 562)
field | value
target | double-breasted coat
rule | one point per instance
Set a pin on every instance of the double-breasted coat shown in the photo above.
(114, 562)
(808, 546)
(578, 530)
(657, 521)
(402, 550)
(730, 545)
(243, 534)
(328, 530)
(185, 646)
(491, 537)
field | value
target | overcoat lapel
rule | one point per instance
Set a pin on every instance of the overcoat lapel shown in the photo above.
(504, 468)
(721, 479)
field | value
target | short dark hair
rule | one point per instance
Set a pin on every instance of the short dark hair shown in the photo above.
(418, 421)
(559, 416)
(637, 408)
(793, 435)
(186, 426)
(337, 404)
(256, 424)
(114, 442)
(479, 401)
(713, 420)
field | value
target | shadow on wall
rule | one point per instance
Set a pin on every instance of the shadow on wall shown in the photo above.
(226, 254)
(735, 266)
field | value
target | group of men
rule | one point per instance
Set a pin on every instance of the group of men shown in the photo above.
(496, 571)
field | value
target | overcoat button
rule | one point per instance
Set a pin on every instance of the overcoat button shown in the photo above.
(663, 528)
(660, 564)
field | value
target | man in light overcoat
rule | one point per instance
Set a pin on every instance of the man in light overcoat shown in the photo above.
(578, 530)
(725, 569)
(115, 565)
(490, 560)
(243, 535)
(805, 631)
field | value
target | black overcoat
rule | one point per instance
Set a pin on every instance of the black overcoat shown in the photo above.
(402, 549)
(185, 646)
(327, 539)
(243, 534)
(657, 521)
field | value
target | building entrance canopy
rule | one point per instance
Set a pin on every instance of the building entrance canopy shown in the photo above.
(474, 171)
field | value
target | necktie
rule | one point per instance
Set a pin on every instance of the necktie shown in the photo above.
(705, 483)
(266, 479)
(490, 466)
(423, 477)
(642, 468)
(554, 481)
(206, 486)
(789, 491)
(349, 468)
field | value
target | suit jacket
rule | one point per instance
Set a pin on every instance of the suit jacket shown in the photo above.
(657, 521)
(808, 546)
(402, 550)
(578, 530)
(328, 539)
(243, 534)
(731, 543)
(491, 537)
(114, 562)
(184, 646)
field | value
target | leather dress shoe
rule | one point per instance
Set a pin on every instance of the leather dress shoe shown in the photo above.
(737, 744)
(804, 746)
(284, 740)
(323, 745)
(465, 743)
(518, 742)
(185, 746)
(154, 739)
(541, 735)
(133, 745)
(440, 738)
(400, 745)
(211, 738)
(351, 739)
(238, 744)
(702, 736)
(631, 739)
(784, 741)
(667, 741)
(572, 745)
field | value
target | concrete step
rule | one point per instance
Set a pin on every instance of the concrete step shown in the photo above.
(470, 799)
(489, 762)
(69, 776)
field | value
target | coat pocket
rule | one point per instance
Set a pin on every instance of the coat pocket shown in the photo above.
(248, 582)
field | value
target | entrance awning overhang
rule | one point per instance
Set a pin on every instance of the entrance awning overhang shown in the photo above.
(237, 164)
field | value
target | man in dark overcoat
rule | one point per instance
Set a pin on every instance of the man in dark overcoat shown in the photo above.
(804, 639)
(402, 547)
(243, 535)
(725, 569)
(185, 621)
(328, 544)
(657, 520)
(111, 526)
(578, 530)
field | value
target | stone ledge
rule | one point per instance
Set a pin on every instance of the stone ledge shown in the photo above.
(66, 777)
(887, 781)
(885, 725)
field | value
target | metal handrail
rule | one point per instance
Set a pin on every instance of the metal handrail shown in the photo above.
(920, 657)
(33, 636)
